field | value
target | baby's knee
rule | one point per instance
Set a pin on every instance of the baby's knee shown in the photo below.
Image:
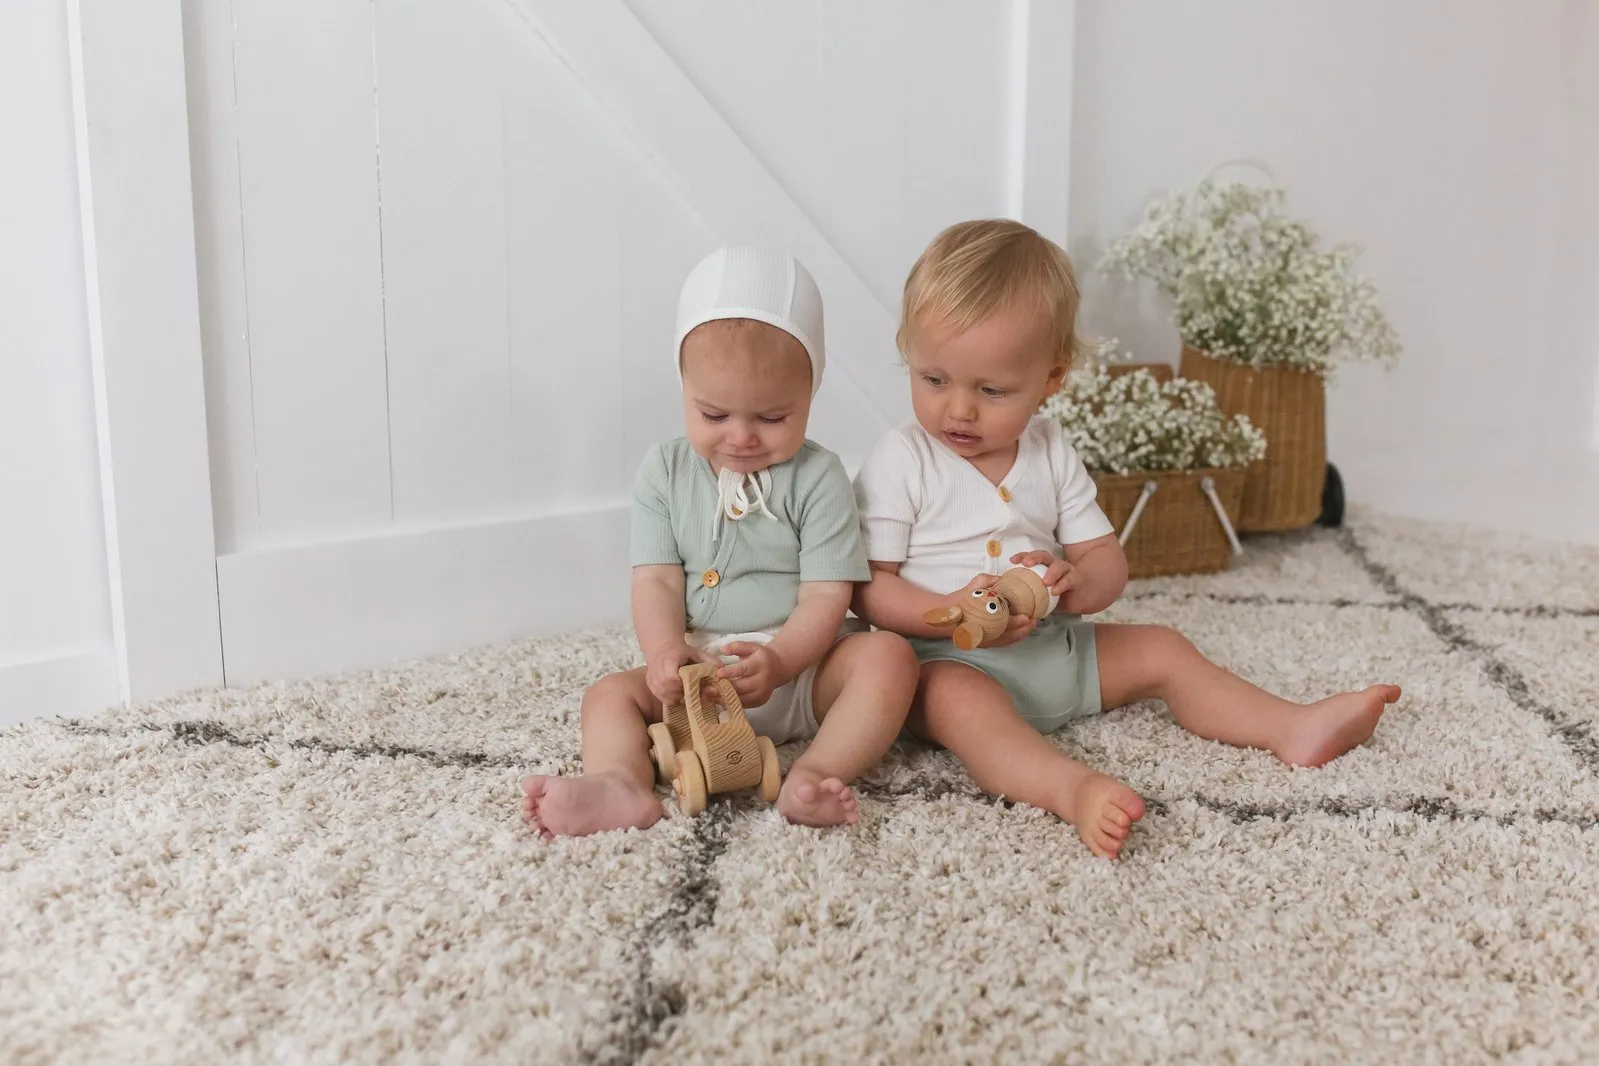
(1169, 641)
(607, 692)
(889, 657)
(957, 692)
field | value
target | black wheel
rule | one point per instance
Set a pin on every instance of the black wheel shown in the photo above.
(1332, 499)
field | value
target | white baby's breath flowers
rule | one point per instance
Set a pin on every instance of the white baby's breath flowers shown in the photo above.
(1253, 285)
(1131, 423)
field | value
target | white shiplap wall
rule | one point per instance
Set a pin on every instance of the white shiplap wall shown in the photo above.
(440, 251)
(55, 627)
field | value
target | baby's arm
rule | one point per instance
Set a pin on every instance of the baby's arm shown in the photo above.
(1099, 568)
(659, 624)
(811, 629)
(1099, 574)
(890, 602)
(799, 644)
(658, 608)
(1088, 579)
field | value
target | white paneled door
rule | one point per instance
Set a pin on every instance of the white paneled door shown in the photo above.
(438, 246)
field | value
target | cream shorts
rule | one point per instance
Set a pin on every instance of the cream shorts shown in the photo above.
(789, 714)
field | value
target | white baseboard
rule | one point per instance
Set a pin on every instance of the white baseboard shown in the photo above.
(360, 603)
(73, 685)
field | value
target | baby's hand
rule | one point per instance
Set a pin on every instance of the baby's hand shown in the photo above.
(756, 675)
(1017, 629)
(1020, 627)
(1060, 575)
(662, 674)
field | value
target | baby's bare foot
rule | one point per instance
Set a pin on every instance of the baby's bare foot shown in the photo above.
(578, 806)
(1328, 728)
(808, 798)
(1103, 810)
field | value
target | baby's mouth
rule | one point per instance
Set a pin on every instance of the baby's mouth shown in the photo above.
(965, 440)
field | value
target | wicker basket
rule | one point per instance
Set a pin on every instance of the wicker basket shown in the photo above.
(1282, 491)
(1178, 531)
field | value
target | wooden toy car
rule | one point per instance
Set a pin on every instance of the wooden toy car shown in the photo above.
(705, 748)
(983, 616)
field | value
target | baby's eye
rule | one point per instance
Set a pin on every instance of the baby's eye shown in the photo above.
(713, 418)
(933, 380)
(778, 421)
(989, 390)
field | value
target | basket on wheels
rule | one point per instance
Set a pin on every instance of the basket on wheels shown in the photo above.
(1290, 487)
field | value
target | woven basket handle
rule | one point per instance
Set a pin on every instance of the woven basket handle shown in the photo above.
(1246, 163)
(1138, 509)
(1207, 485)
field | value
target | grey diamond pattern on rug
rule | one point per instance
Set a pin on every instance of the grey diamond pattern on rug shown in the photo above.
(335, 870)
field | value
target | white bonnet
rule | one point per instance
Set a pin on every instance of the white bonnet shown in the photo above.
(764, 284)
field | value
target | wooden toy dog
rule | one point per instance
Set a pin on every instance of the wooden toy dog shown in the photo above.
(983, 616)
(704, 751)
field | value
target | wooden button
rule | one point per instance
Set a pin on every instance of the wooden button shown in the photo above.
(993, 549)
(710, 579)
(1004, 493)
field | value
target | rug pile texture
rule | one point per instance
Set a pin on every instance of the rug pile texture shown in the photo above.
(334, 870)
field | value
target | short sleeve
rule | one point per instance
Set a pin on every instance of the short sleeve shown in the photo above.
(886, 491)
(829, 527)
(1079, 515)
(652, 541)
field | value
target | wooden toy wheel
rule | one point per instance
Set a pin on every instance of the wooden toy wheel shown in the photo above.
(663, 752)
(689, 784)
(771, 773)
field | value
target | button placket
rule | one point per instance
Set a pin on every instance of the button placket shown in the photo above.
(994, 548)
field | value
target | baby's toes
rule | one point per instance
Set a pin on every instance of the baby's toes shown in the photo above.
(1113, 830)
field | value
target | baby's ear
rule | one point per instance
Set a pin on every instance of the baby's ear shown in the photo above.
(943, 617)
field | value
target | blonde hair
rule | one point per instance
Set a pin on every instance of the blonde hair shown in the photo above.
(973, 269)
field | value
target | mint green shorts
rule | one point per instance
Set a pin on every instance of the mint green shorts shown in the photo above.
(1052, 676)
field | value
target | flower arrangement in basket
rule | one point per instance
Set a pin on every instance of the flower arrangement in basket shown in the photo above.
(1265, 312)
(1169, 465)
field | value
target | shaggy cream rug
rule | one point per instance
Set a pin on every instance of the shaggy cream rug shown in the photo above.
(334, 871)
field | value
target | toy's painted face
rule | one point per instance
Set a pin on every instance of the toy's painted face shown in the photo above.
(986, 602)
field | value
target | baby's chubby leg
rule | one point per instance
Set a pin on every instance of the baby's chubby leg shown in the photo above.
(1154, 662)
(617, 789)
(971, 714)
(862, 691)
